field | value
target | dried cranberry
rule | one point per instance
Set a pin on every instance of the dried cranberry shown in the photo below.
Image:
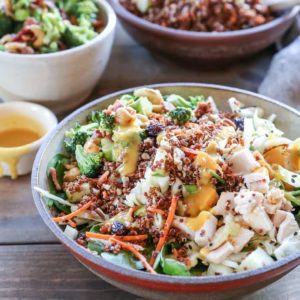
(118, 228)
(239, 122)
(154, 129)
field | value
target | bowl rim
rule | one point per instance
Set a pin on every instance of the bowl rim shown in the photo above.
(85, 255)
(109, 27)
(123, 13)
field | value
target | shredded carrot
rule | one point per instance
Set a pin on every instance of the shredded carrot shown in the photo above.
(155, 210)
(127, 238)
(167, 227)
(136, 253)
(73, 214)
(72, 223)
(53, 175)
(102, 178)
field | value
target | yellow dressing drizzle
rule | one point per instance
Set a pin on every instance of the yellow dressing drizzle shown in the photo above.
(127, 139)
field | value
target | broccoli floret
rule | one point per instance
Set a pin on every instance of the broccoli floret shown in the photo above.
(179, 101)
(21, 9)
(194, 100)
(106, 122)
(88, 163)
(78, 136)
(75, 36)
(6, 24)
(53, 26)
(181, 115)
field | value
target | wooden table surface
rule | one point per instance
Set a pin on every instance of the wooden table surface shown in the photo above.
(33, 265)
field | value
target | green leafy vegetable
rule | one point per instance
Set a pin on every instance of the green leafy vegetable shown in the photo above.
(142, 106)
(179, 101)
(128, 99)
(194, 100)
(105, 121)
(88, 163)
(6, 24)
(123, 259)
(78, 136)
(173, 267)
(96, 246)
(159, 173)
(107, 147)
(218, 177)
(74, 36)
(169, 265)
(95, 228)
(58, 163)
(181, 115)
(191, 188)
(21, 10)
(294, 197)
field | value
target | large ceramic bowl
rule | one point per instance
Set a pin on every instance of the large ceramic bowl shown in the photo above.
(162, 286)
(205, 48)
(59, 80)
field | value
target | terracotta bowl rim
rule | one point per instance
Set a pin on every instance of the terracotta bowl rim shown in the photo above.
(135, 274)
(124, 14)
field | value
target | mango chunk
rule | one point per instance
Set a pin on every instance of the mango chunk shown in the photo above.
(204, 199)
(197, 222)
(276, 155)
(205, 161)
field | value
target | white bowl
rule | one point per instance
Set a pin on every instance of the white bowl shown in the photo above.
(15, 161)
(59, 80)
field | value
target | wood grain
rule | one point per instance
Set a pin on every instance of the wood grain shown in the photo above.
(49, 272)
(19, 219)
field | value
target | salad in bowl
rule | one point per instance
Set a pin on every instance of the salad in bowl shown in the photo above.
(42, 26)
(172, 185)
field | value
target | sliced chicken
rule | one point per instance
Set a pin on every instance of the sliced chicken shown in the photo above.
(243, 162)
(275, 200)
(180, 223)
(257, 259)
(224, 204)
(279, 217)
(201, 228)
(287, 227)
(218, 255)
(259, 221)
(204, 235)
(257, 181)
(246, 201)
(241, 240)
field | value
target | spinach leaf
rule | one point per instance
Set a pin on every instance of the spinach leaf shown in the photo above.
(95, 228)
(96, 246)
(171, 266)
(64, 208)
(123, 259)
(58, 163)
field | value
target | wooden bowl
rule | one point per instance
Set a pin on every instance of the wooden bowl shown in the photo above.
(163, 286)
(204, 48)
